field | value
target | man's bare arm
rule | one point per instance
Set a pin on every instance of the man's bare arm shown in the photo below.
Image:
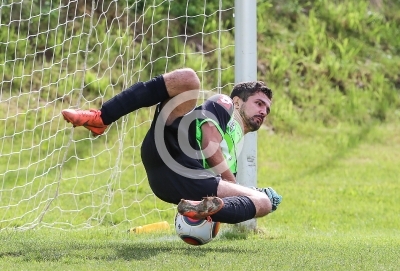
(212, 150)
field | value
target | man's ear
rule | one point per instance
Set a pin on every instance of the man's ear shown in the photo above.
(237, 102)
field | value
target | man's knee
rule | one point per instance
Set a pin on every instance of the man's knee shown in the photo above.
(191, 77)
(181, 80)
(262, 203)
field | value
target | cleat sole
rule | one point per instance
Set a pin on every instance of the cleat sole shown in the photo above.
(200, 209)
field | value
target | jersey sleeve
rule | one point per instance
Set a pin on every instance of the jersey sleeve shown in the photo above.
(217, 109)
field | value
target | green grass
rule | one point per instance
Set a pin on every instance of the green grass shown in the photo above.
(340, 212)
(110, 251)
(343, 179)
(333, 153)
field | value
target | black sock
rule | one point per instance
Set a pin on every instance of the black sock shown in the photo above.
(235, 210)
(141, 94)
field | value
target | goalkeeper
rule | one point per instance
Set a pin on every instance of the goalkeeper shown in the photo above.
(190, 153)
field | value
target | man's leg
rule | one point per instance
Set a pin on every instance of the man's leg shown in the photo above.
(142, 94)
(160, 89)
(243, 203)
(183, 87)
(237, 204)
(260, 200)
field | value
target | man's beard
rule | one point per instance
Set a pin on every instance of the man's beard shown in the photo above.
(251, 122)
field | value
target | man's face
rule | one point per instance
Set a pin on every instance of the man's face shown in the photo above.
(254, 111)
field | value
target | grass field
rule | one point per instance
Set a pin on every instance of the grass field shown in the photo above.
(333, 155)
(116, 251)
(340, 212)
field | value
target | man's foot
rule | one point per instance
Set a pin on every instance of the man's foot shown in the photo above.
(274, 197)
(200, 209)
(90, 119)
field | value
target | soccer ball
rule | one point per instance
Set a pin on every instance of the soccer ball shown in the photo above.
(195, 232)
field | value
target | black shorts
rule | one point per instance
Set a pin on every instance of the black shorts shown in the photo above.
(168, 183)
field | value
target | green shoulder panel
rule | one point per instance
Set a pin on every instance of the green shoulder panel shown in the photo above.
(230, 140)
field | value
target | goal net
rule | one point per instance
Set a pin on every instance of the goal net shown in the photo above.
(64, 54)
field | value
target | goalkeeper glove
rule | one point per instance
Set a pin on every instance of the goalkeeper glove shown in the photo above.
(274, 197)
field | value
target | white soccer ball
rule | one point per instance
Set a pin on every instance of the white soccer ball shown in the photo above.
(195, 232)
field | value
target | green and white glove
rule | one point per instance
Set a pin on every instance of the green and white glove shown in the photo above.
(274, 197)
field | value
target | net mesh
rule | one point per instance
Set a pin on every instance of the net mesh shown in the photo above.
(77, 54)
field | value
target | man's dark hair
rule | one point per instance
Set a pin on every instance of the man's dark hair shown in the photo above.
(246, 89)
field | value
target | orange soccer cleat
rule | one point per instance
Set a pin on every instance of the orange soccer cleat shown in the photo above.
(200, 209)
(90, 119)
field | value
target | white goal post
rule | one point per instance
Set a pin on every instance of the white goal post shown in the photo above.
(77, 54)
(246, 70)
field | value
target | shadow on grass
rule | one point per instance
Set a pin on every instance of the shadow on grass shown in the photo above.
(128, 250)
